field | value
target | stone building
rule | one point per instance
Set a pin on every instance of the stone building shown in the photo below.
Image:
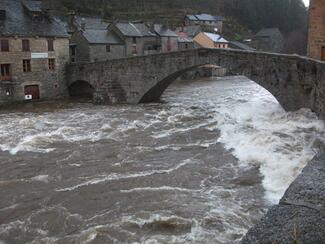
(210, 40)
(168, 38)
(269, 40)
(91, 41)
(206, 21)
(316, 30)
(137, 36)
(34, 49)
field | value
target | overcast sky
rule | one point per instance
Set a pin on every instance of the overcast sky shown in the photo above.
(306, 2)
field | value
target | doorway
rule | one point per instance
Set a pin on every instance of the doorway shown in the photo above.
(32, 92)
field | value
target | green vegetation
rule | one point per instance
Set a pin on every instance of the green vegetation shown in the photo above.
(290, 16)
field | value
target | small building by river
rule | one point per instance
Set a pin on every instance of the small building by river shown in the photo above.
(34, 49)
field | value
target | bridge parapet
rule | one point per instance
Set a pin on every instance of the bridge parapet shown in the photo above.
(295, 81)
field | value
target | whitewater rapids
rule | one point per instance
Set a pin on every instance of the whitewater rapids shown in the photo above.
(200, 167)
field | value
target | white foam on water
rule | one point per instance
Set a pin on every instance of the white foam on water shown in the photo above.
(115, 176)
(41, 178)
(260, 132)
(160, 188)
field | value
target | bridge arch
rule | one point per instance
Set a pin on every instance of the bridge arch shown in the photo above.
(155, 92)
(295, 81)
(81, 89)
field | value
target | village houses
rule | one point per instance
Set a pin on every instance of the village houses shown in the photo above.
(186, 35)
(207, 21)
(34, 49)
(91, 41)
(137, 36)
(168, 38)
(210, 40)
(268, 40)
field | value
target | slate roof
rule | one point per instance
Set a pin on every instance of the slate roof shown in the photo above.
(191, 30)
(163, 31)
(33, 6)
(191, 17)
(134, 29)
(268, 32)
(182, 37)
(241, 46)
(18, 23)
(215, 37)
(204, 17)
(94, 36)
(91, 23)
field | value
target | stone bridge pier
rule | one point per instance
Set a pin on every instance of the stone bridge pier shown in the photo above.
(295, 81)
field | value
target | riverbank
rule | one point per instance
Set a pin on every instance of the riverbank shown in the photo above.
(299, 217)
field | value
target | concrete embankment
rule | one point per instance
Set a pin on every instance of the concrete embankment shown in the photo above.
(300, 215)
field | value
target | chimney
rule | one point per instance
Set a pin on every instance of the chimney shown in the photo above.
(2, 14)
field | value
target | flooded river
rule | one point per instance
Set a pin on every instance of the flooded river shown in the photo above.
(200, 167)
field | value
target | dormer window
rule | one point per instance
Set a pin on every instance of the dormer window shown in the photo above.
(33, 8)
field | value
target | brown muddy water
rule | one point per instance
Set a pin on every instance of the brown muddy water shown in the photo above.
(200, 167)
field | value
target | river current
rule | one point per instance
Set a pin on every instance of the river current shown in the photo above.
(202, 166)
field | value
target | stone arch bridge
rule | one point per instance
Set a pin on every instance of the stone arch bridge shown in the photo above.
(295, 81)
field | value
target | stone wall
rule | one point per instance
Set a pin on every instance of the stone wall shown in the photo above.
(172, 41)
(51, 83)
(98, 52)
(316, 31)
(299, 217)
(296, 82)
(82, 47)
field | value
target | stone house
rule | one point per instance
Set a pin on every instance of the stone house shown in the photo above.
(269, 40)
(92, 41)
(184, 41)
(316, 30)
(137, 36)
(210, 40)
(34, 49)
(207, 21)
(168, 38)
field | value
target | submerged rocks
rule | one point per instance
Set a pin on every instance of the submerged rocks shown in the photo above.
(300, 215)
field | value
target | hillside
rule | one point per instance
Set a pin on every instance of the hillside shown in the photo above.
(243, 16)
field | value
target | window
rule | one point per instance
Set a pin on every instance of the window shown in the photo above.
(51, 64)
(323, 54)
(5, 72)
(108, 48)
(134, 40)
(25, 45)
(134, 51)
(4, 45)
(50, 45)
(73, 50)
(26, 65)
(186, 46)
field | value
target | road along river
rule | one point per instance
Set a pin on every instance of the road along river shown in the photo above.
(200, 167)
